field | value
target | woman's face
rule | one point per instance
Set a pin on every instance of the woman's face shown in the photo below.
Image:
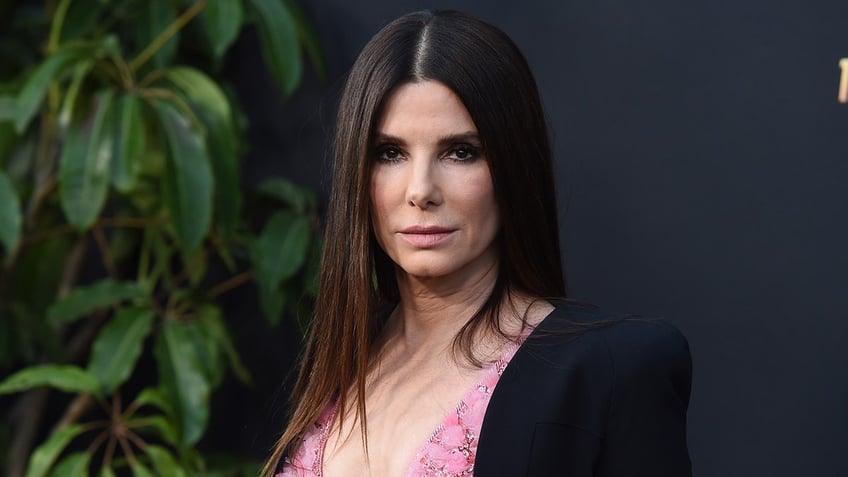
(433, 203)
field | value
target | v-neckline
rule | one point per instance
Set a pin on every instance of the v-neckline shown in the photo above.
(496, 367)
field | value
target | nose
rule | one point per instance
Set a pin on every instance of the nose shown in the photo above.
(422, 189)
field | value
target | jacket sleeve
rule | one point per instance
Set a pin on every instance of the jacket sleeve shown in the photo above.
(646, 425)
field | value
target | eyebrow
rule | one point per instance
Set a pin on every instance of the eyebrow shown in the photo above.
(469, 136)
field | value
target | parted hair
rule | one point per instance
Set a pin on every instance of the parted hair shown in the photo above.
(488, 73)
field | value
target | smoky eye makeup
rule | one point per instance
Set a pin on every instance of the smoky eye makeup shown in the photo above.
(386, 152)
(463, 152)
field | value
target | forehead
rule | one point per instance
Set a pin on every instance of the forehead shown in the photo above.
(424, 107)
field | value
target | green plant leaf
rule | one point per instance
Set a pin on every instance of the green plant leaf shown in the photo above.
(154, 397)
(300, 199)
(8, 106)
(73, 465)
(313, 267)
(153, 163)
(139, 470)
(67, 378)
(124, 241)
(195, 263)
(45, 455)
(280, 47)
(81, 70)
(164, 462)
(84, 167)
(82, 19)
(208, 353)
(212, 321)
(10, 215)
(308, 37)
(9, 142)
(32, 94)
(215, 112)
(106, 472)
(155, 17)
(163, 252)
(164, 427)
(282, 246)
(188, 180)
(118, 346)
(37, 275)
(203, 91)
(84, 300)
(129, 143)
(277, 254)
(223, 19)
(271, 299)
(182, 378)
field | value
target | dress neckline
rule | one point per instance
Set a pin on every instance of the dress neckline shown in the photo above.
(489, 376)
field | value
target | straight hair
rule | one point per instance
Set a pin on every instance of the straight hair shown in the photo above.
(488, 73)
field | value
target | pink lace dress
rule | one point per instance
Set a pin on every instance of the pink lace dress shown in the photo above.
(449, 452)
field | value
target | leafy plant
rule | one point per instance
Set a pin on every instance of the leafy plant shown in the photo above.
(122, 223)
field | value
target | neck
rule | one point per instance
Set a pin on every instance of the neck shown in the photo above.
(433, 310)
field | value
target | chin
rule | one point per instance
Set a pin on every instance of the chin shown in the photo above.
(429, 270)
(425, 273)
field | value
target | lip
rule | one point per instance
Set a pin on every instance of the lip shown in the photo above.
(423, 236)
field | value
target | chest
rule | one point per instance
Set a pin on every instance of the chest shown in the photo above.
(406, 413)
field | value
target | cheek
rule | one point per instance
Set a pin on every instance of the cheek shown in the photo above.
(381, 191)
(478, 196)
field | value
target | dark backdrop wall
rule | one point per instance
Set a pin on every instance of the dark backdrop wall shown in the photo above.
(702, 163)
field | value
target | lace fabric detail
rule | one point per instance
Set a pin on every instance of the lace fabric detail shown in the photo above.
(309, 457)
(452, 449)
(449, 452)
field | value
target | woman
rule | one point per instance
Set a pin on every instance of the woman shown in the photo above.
(441, 342)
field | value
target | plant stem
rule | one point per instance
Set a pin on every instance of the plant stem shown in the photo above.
(126, 74)
(72, 267)
(189, 267)
(110, 451)
(45, 183)
(105, 253)
(138, 422)
(28, 413)
(138, 441)
(95, 444)
(151, 78)
(56, 26)
(127, 449)
(115, 222)
(166, 35)
(80, 343)
(74, 411)
(162, 93)
(130, 222)
(92, 425)
(33, 402)
(231, 283)
(48, 234)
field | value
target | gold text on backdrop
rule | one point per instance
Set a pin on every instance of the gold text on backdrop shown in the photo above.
(843, 81)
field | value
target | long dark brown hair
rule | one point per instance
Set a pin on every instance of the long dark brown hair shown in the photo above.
(489, 74)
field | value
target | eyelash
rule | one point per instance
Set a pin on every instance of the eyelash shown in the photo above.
(382, 150)
(472, 153)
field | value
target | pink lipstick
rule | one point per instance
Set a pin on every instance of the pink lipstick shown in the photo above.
(426, 236)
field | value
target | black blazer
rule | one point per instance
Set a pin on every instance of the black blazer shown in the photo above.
(607, 402)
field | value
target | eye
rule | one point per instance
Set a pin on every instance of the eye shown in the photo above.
(388, 153)
(463, 153)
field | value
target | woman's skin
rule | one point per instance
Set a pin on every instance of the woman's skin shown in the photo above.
(435, 215)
